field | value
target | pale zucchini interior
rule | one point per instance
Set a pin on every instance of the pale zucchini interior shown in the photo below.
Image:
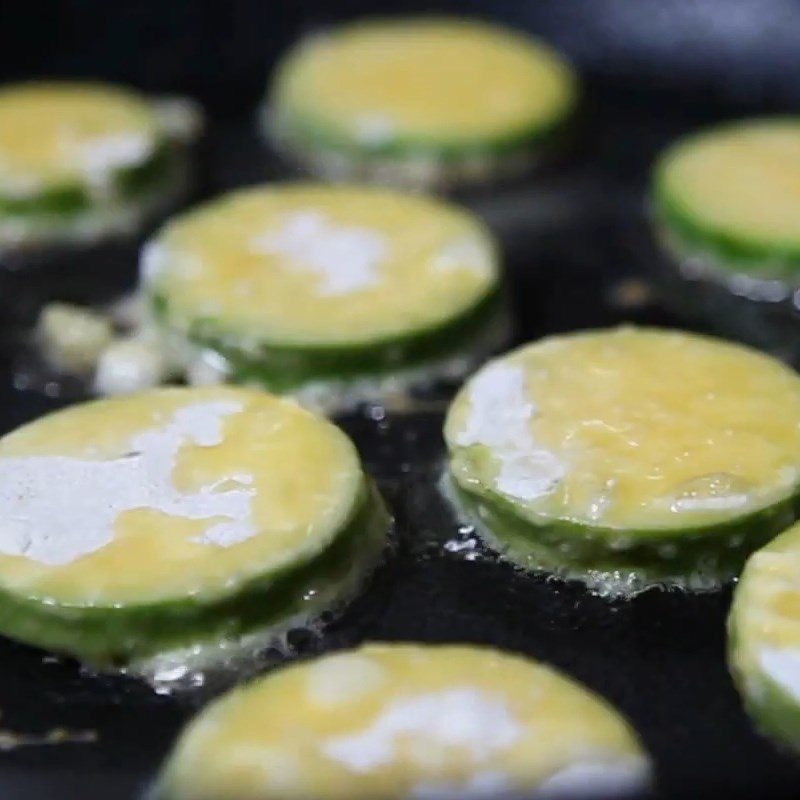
(169, 495)
(425, 80)
(740, 181)
(397, 721)
(638, 430)
(62, 135)
(311, 265)
(765, 621)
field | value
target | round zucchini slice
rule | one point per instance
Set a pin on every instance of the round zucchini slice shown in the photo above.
(725, 206)
(420, 101)
(732, 195)
(764, 638)
(305, 288)
(404, 720)
(628, 457)
(179, 518)
(78, 160)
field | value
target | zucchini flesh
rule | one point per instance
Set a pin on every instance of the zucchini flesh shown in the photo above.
(443, 88)
(405, 720)
(64, 143)
(576, 456)
(220, 511)
(305, 282)
(67, 201)
(764, 638)
(615, 562)
(123, 633)
(730, 194)
(282, 368)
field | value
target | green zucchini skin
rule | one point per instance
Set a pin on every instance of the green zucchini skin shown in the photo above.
(730, 253)
(775, 714)
(307, 133)
(733, 252)
(65, 201)
(436, 165)
(621, 561)
(115, 635)
(699, 283)
(62, 200)
(286, 367)
(136, 180)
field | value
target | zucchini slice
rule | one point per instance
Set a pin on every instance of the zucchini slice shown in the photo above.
(419, 100)
(405, 720)
(764, 638)
(628, 457)
(731, 196)
(298, 284)
(177, 518)
(78, 159)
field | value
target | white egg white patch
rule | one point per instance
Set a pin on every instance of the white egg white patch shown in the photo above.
(157, 258)
(469, 253)
(55, 509)
(620, 778)
(499, 418)
(342, 678)
(373, 128)
(782, 666)
(344, 258)
(717, 491)
(483, 785)
(153, 261)
(425, 726)
(100, 156)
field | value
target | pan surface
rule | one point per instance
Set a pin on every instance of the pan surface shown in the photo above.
(578, 255)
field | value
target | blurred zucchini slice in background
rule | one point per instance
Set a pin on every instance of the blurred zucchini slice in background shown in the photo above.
(396, 721)
(336, 294)
(81, 161)
(725, 205)
(732, 195)
(425, 101)
(764, 638)
(628, 457)
(179, 519)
